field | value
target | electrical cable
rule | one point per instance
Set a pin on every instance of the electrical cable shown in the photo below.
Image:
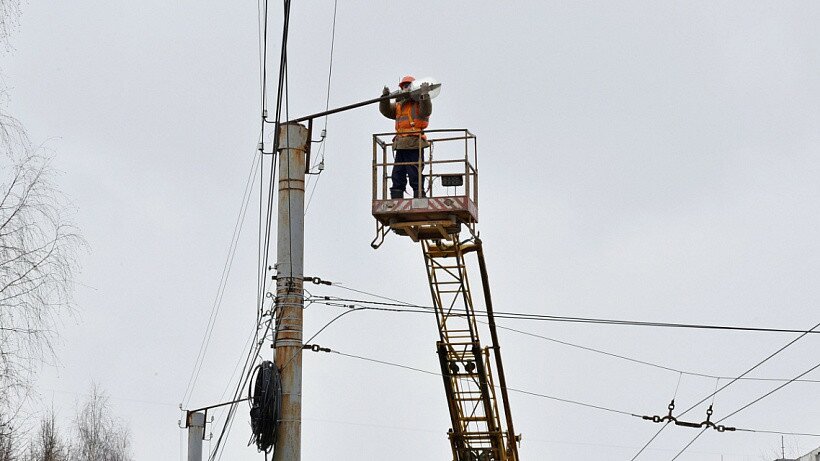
(232, 408)
(770, 392)
(429, 310)
(317, 334)
(588, 320)
(643, 362)
(280, 87)
(229, 421)
(250, 359)
(796, 434)
(327, 107)
(550, 397)
(425, 308)
(266, 407)
(646, 445)
(521, 391)
(689, 444)
(805, 332)
(263, 56)
(750, 404)
(247, 347)
(781, 349)
(287, 163)
(385, 298)
(226, 270)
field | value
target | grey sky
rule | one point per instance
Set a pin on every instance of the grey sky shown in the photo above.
(644, 160)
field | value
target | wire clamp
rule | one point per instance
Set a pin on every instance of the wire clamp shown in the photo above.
(705, 424)
(317, 281)
(668, 417)
(316, 348)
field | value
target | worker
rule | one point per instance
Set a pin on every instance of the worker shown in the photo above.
(411, 117)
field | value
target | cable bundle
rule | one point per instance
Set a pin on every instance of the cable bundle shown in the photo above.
(266, 405)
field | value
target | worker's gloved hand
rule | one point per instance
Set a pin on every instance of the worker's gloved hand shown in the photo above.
(385, 91)
(425, 88)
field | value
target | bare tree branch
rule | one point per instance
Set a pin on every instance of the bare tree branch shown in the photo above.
(100, 436)
(9, 17)
(37, 256)
(47, 444)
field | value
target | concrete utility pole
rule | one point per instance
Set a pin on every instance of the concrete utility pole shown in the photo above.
(196, 432)
(289, 291)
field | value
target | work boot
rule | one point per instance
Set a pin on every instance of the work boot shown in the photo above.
(394, 194)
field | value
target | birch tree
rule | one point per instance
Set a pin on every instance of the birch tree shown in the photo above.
(47, 445)
(100, 436)
(37, 263)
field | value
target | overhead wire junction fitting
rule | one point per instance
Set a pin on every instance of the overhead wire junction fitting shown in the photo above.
(705, 424)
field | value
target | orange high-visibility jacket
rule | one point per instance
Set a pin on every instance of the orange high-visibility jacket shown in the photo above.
(408, 120)
(418, 115)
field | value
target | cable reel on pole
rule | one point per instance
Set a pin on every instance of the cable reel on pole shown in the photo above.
(266, 405)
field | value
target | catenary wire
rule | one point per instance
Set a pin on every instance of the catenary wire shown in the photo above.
(770, 392)
(796, 434)
(747, 406)
(766, 359)
(649, 442)
(801, 336)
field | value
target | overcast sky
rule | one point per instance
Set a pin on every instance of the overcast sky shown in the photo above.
(642, 160)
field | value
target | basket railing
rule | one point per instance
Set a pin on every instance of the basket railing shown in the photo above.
(447, 167)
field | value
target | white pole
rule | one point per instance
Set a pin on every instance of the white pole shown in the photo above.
(289, 292)
(196, 432)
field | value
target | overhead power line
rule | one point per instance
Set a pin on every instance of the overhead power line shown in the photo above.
(569, 319)
(644, 362)
(323, 142)
(767, 394)
(531, 393)
(399, 306)
(320, 300)
(223, 281)
(520, 391)
(218, 450)
(766, 359)
(769, 357)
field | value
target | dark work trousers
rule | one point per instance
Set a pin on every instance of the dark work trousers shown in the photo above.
(402, 173)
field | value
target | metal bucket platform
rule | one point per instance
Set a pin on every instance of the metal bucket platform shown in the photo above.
(423, 218)
(449, 177)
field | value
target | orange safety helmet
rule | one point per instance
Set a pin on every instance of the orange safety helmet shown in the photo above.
(407, 79)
